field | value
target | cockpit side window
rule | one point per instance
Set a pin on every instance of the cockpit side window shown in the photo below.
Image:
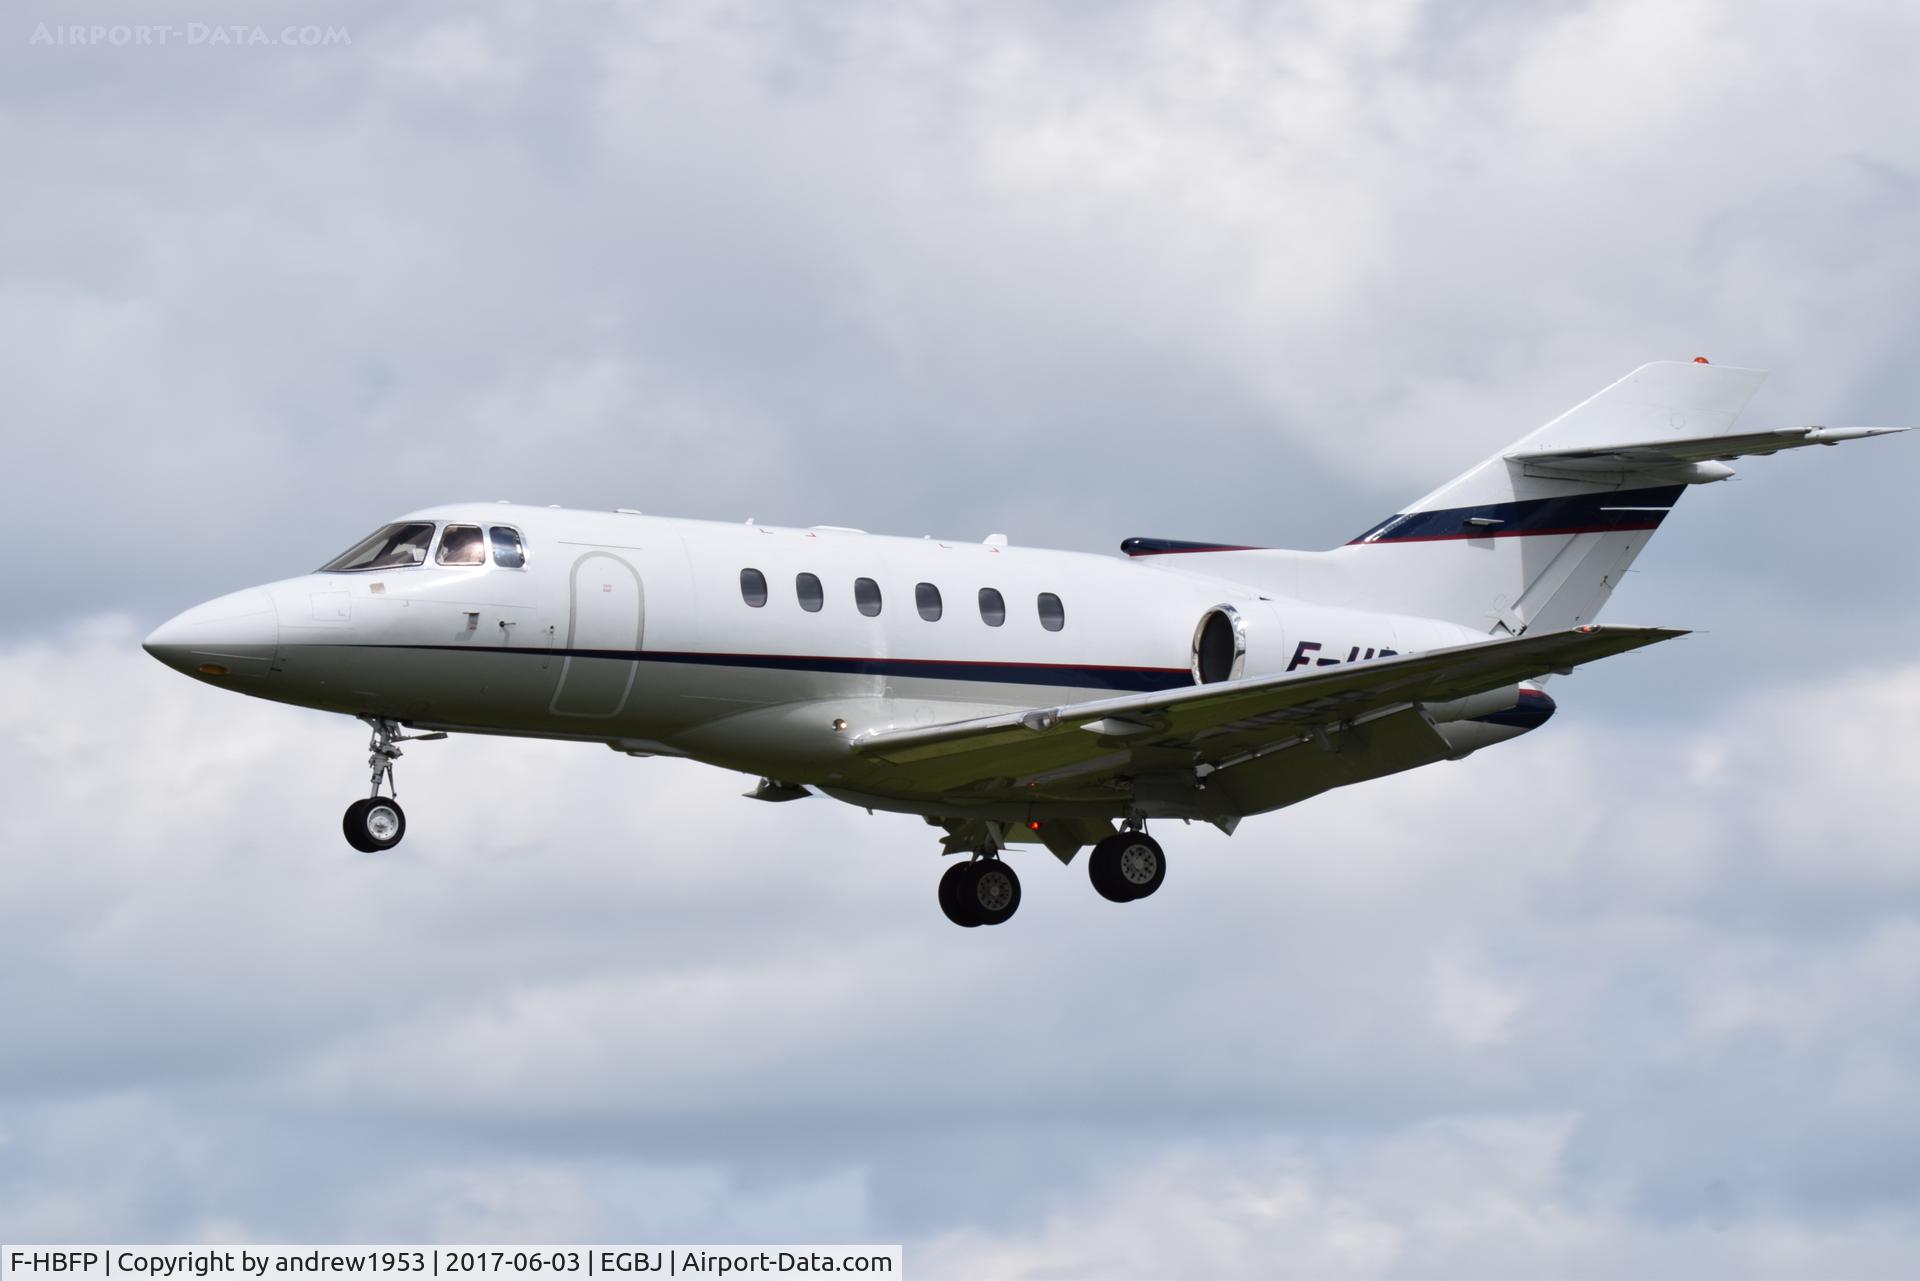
(462, 545)
(508, 551)
(390, 547)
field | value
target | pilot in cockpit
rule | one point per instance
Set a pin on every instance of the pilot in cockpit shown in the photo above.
(462, 545)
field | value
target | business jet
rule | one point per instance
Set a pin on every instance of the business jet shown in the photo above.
(1007, 695)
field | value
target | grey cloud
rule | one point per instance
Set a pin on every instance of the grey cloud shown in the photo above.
(1645, 977)
(597, 977)
(1182, 273)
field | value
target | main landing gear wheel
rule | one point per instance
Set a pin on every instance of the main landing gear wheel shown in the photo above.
(1127, 866)
(374, 824)
(981, 892)
(955, 883)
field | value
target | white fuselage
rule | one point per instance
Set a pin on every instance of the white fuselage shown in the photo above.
(1007, 694)
(636, 631)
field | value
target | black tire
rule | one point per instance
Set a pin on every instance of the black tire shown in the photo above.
(353, 825)
(993, 892)
(1141, 864)
(956, 893)
(374, 824)
(1103, 869)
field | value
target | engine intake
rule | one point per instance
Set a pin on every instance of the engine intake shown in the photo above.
(1219, 646)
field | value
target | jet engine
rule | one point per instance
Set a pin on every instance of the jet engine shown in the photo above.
(1219, 646)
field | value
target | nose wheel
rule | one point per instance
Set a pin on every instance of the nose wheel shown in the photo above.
(374, 824)
(377, 822)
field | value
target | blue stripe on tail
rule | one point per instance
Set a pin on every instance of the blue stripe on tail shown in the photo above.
(1574, 514)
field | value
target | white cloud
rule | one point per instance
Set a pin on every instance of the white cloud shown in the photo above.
(846, 267)
(1455, 1197)
(1627, 997)
(609, 975)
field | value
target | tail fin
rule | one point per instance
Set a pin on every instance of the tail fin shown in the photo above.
(1537, 536)
(1514, 546)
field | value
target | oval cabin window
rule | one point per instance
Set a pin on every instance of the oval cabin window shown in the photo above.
(807, 588)
(926, 599)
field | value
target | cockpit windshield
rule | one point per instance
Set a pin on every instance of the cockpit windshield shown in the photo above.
(394, 547)
(462, 545)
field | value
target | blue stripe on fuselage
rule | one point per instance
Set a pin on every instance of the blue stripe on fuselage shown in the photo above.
(1574, 514)
(1136, 680)
(1176, 546)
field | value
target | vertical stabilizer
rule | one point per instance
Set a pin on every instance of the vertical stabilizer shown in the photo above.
(1513, 546)
(1537, 536)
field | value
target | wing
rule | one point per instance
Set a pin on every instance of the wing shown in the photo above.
(1214, 725)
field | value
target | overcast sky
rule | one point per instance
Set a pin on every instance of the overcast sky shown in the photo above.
(1639, 995)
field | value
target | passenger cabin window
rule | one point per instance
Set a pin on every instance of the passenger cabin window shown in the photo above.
(866, 596)
(462, 545)
(993, 607)
(807, 588)
(391, 547)
(508, 551)
(753, 587)
(1053, 615)
(926, 599)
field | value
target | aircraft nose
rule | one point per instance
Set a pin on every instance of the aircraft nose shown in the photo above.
(231, 636)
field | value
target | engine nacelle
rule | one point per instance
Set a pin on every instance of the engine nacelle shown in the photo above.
(1469, 724)
(1220, 646)
(1474, 706)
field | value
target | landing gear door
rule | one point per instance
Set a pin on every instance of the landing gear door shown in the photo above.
(599, 641)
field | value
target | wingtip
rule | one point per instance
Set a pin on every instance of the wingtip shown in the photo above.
(1837, 435)
(1622, 629)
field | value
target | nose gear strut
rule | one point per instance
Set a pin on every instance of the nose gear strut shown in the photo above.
(377, 822)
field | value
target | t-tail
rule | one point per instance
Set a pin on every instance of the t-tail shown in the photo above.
(1536, 537)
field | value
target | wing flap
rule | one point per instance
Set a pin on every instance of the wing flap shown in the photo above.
(1210, 723)
(1290, 771)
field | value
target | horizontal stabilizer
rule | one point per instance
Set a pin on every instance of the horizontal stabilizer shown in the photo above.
(1689, 451)
(1537, 536)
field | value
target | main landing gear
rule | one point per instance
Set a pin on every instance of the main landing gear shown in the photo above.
(1127, 865)
(982, 891)
(377, 823)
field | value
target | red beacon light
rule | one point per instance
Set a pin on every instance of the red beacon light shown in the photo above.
(1699, 360)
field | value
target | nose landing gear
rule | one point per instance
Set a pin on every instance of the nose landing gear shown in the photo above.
(377, 822)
